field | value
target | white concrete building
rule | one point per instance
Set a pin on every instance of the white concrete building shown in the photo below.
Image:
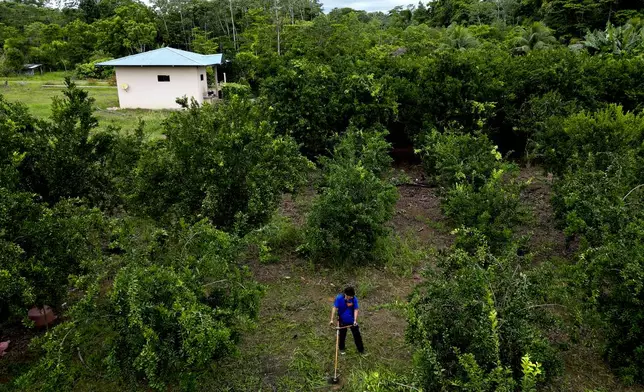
(155, 79)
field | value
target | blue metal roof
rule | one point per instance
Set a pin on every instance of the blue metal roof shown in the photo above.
(165, 57)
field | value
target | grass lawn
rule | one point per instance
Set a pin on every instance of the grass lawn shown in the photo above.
(52, 78)
(38, 97)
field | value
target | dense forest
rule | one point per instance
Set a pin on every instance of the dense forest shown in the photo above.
(144, 246)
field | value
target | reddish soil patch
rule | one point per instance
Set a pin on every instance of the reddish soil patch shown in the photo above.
(418, 213)
(546, 240)
(296, 206)
(18, 353)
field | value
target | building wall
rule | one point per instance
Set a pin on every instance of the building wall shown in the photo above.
(203, 84)
(146, 92)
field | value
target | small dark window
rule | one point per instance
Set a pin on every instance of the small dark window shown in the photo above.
(163, 78)
(201, 76)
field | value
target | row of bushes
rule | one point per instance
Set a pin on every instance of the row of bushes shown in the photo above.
(347, 221)
(599, 203)
(476, 322)
(312, 98)
(139, 238)
(478, 188)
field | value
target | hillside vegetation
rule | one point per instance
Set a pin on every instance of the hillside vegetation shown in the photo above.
(505, 252)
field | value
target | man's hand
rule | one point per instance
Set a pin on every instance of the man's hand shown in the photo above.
(355, 323)
(331, 323)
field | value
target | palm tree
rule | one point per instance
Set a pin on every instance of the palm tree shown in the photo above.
(615, 40)
(459, 37)
(534, 37)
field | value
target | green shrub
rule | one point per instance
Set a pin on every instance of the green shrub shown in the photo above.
(91, 71)
(451, 158)
(302, 100)
(222, 162)
(615, 284)
(158, 311)
(598, 200)
(536, 117)
(350, 214)
(380, 381)
(231, 89)
(313, 101)
(475, 315)
(63, 157)
(589, 203)
(46, 236)
(275, 239)
(494, 208)
(44, 247)
(499, 379)
(602, 133)
(478, 188)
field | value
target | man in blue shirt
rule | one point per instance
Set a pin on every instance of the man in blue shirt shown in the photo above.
(346, 304)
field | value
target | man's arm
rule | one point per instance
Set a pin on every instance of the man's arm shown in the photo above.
(355, 310)
(332, 315)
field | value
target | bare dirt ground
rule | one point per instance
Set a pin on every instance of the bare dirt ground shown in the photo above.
(418, 213)
(18, 356)
(545, 239)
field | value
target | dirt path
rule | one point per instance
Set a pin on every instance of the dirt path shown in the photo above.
(546, 240)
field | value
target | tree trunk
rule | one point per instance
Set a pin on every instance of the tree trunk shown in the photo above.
(277, 26)
(232, 19)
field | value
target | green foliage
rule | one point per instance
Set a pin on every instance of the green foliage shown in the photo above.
(91, 71)
(275, 239)
(46, 236)
(42, 247)
(379, 381)
(301, 101)
(479, 190)
(63, 158)
(231, 89)
(221, 162)
(498, 379)
(535, 37)
(598, 200)
(13, 60)
(459, 37)
(536, 116)
(531, 373)
(614, 275)
(312, 102)
(452, 158)
(615, 40)
(494, 209)
(473, 321)
(590, 202)
(158, 311)
(348, 218)
(604, 133)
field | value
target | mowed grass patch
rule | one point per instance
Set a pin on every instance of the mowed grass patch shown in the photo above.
(38, 99)
(293, 346)
(54, 78)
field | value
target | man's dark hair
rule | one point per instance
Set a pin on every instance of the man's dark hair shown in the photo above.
(350, 291)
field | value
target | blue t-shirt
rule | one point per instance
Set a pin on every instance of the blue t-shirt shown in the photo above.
(345, 308)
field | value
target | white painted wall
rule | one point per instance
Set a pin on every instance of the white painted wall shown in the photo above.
(146, 92)
(203, 84)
